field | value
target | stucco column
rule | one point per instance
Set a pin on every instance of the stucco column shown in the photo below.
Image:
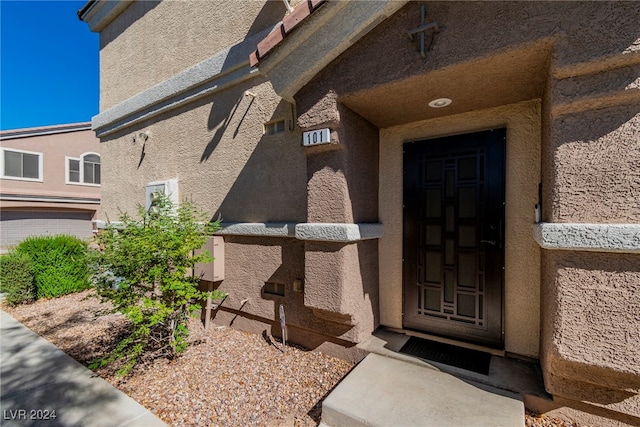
(341, 278)
(590, 298)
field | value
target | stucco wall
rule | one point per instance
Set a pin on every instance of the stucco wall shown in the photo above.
(596, 157)
(217, 150)
(153, 40)
(54, 147)
(522, 254)
(343, 176)
(251, 261)
(591, 312)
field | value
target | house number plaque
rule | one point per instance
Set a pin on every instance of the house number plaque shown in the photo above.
(316, 137)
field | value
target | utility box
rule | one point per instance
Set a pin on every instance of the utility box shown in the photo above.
(212, 271)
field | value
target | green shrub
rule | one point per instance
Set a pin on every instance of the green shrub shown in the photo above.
(59, 264)
(16, 278)
(144, 268)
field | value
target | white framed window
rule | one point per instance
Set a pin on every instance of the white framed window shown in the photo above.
(84, 170)
(21, 165)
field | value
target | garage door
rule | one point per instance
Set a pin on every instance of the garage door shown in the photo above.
(15, 226)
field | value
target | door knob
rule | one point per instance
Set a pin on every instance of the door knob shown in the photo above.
(491, 242)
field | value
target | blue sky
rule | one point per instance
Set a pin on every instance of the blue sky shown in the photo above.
(48, 66)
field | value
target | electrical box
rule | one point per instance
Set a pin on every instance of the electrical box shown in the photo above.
(154, 190)
(212, 271)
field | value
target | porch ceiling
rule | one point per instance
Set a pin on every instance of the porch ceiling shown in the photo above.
(505, 78)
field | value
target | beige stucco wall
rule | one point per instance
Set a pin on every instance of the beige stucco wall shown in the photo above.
(522, 254)
(597, 156)
(252, 261)
(152, 41)
(217, 150)
(591, 312)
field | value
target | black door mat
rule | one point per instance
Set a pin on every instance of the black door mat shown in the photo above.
(464, 358)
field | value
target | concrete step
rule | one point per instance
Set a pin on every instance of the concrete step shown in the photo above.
(505, 373)
(385, 391)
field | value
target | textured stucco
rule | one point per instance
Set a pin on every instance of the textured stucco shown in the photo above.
(332, 30)
(591, 312)
(596, 162)
(341, 284)
(343, 176)
(251, 261)
(338, 232)
(216, 150)
(342, 188)
(273, 229)
(522, 254)
(604, 88)
(223, 69)
(138, 58)
(589, 237)
(341, 233)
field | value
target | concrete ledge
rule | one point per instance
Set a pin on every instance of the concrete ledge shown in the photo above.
(327, 232)
(324, 232)
(258, 229)
(621, 238)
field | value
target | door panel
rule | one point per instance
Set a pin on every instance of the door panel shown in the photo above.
(453, 236)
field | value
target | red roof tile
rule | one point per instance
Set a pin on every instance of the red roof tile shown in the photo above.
(289, 23)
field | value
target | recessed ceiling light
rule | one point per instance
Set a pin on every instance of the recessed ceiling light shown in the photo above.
(440, 102)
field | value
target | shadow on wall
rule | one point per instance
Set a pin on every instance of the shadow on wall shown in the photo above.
(596, 155)
(136, 11)
(249, 279)
(271, 186)
(593, 30)
(223, 112)
(586, 127)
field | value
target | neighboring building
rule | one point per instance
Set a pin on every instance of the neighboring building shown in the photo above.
(50, 182)
(481, 180)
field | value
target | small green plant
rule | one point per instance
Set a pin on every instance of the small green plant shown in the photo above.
(144, 268)
(59, 264)
(16, 278)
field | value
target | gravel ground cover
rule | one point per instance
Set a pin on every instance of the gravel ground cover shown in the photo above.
(225, 378)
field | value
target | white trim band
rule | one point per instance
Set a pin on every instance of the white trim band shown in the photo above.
(622, 238)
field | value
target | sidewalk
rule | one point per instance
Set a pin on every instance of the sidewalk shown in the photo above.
(38, 382)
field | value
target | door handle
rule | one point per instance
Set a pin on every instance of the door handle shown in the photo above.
(491, 242)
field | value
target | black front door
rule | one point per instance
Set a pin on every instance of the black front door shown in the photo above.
(454, 236)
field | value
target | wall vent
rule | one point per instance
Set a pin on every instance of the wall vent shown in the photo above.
(273, 288)
(272, 128)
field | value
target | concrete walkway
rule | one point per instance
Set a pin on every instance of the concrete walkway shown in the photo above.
(37, 378)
